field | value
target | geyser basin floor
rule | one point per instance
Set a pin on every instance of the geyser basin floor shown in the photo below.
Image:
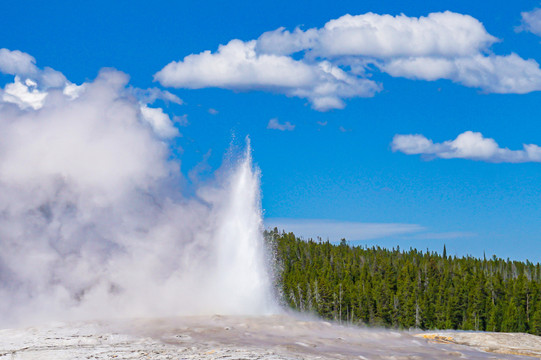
(219, 337)
(503, 343)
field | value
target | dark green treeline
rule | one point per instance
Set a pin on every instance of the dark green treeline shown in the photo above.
(408, 289)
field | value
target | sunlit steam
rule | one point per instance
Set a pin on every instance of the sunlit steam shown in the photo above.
(240, 266)
(92, 220)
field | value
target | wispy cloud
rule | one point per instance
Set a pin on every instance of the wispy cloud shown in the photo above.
(274, 124)
(149, 96)
(333, 63)
(441, 236)
(531, 22)
(336, 230)
(181, 120)
(468, 145)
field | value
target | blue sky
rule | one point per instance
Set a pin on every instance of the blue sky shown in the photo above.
(376, 154)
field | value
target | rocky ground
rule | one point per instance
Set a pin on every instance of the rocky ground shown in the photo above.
(272, 337)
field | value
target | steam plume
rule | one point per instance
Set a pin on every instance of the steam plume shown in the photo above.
(92, 220)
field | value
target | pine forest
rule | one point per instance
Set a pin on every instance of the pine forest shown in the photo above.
(406, 289)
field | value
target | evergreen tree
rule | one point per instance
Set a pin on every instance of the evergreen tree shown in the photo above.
(406, 289)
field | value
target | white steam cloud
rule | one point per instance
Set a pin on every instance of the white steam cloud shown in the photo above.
(468, 145)
(92, 220)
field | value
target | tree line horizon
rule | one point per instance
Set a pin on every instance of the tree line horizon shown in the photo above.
(405, 289)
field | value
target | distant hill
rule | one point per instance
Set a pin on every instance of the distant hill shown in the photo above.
(406, 289)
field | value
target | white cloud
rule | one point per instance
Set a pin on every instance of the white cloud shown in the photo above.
(439, 46)
(531, 21)
(17, 63)
(237, 66)
(384, 36)
(468, 145)
(31, 84)
(276, 125)
(212, 111)
(495, 74)
(31, 87)
(284, 42)
(22, 64)
(329, 64)
(442, 235)
(337, 230)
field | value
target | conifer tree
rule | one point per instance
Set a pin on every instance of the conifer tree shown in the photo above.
(406, 289)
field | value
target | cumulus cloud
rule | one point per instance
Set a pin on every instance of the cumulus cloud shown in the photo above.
(468, 145)
(276, 125)
(445, 34)
(237, 66)
(93, 222)
(492, 73)
(17, 62)
(329, 64)
(31, 87)
(531, 21)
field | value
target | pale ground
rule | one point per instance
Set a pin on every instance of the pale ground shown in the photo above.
(273, 337)
(503, 343)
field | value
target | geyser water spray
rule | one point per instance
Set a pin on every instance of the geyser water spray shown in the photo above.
(93, 223)
(241, 261)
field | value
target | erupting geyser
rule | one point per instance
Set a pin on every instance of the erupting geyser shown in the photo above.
(241, 268)
(92, 220)
(95, 224)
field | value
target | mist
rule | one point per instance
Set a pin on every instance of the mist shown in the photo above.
(93, 220)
